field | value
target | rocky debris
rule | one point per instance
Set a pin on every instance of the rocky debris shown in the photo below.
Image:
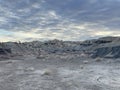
(102, 47)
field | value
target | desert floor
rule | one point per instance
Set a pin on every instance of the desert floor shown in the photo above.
(59, 72)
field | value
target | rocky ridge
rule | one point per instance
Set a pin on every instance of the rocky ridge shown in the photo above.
(105, 47)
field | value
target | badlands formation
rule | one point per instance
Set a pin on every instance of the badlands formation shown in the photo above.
(61, 65)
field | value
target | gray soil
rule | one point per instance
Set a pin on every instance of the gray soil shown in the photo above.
(59, 72)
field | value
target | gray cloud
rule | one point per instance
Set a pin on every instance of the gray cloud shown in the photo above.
(67, 20)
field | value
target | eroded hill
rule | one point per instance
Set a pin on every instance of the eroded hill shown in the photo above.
(108, 47)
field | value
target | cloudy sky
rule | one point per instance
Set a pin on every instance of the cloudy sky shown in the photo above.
(28, 20)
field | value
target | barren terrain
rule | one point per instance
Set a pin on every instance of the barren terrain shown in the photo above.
(61, 65)
(59, 72)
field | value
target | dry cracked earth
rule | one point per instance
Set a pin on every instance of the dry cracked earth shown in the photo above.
(59, 72)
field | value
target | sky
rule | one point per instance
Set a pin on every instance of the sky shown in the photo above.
(71, 20)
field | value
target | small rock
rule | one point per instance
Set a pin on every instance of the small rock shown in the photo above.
(85, 62)
(47, 72)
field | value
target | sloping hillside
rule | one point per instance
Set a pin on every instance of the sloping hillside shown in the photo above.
(108, 47)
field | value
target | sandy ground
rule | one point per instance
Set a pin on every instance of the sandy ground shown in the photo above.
(59, 73)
